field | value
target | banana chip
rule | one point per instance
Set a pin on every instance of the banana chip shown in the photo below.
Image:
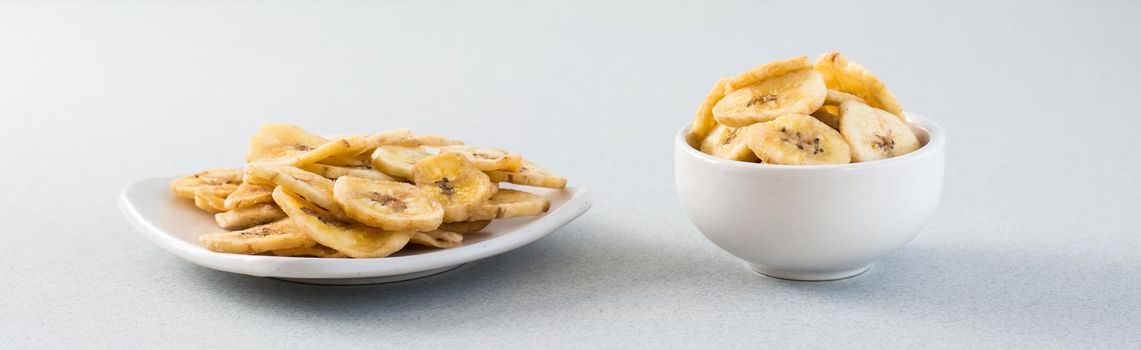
(284, 234)
(354, 239)
(508, 203)
(312, 187)
(846, 76)
(316, 251)
(728, 143)
(405, 138)
(796, 92)
(488, 158)
(391, 137)
(304, 195)
(465, 227)
(830, 115)
(454, 182)
(766, 71)
(792, 112)
(836, 97)
(389, 205)
(430, 141)
(437, 239)
(274, 142)
(246, 217)
(248, 194)
(184, 186)
(212, 199)
(349, 160)
(350, 148)
(703, 123)
(528, 175)
(397, 161)
(874, 133)
(797, 140)
(335, 172)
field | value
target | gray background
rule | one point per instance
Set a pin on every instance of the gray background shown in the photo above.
(1036, 243)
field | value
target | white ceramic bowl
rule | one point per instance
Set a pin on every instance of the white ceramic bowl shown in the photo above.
(812, 222)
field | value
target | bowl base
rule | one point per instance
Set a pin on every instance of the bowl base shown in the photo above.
(809, 275)
(369, 280)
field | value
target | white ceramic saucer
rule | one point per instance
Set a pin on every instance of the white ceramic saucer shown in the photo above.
(174, 224)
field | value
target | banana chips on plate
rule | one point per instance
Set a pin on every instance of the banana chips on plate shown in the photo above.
(794, 112)
(360, 196)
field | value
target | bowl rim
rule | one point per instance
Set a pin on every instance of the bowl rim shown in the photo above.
(936, 141)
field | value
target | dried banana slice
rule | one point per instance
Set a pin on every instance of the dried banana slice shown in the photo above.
(488, 158)
(212, 199)
(352, 161)
(796, 92)
(529, 175)
(797, 139)
(508, 203)
(703, 122)
(357, 157)
(846, 76)
(874, 133)
(283, 234)
(390, 205)
(465, 227)
(391, 137)
(836, 97)
(257, 181)
(314, 188)
(437, 239)
(346, 149)
(248, 194)
(454, 182)
(397, 160)
(288, 144)
(274, 142)
(727, 143)
(249, 216)
(404, 137)
(431, 141)
(354, 239)
(830, 115)
(316, 251)
(335, 172)
(766, 71)
(184, 186)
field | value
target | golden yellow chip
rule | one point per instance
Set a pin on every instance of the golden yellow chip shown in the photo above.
(304, 195)
(282, 234)
(849, 77)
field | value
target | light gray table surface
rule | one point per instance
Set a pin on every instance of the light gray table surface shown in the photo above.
(1036, 244)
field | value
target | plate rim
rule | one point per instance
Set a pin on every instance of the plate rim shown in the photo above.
(579, 202)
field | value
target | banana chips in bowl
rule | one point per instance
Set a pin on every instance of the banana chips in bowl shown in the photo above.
(808, 171)
(358, 209)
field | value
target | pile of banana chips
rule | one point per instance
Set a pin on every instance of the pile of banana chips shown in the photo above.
(797, 113)
(303, 195)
